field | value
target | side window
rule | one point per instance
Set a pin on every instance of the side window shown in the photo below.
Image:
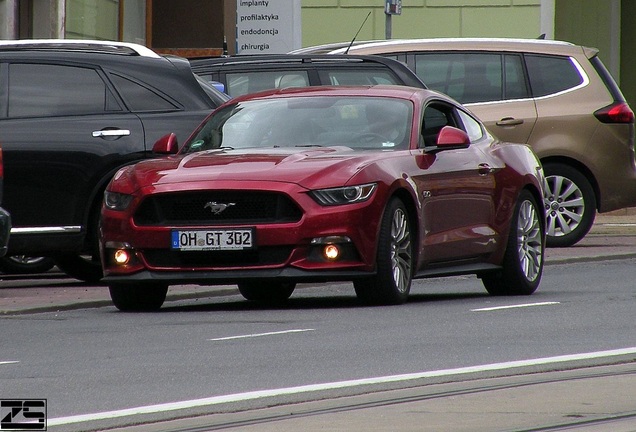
(515, 81)
(466, 77)
(251, 82)
(471, 126)
(140, 98)
(551, 74)
(39, 90)
(436, 116)
(361, 76)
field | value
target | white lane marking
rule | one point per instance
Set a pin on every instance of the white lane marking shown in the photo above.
(617, 224)
(515, 306)
(8, 362)
(261, 334)
(238, 397)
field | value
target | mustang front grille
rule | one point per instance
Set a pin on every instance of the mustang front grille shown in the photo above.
(217, 208)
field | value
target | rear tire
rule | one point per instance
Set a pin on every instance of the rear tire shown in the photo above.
(267, 292)
(523, 259)
(138, 298)
(570, 205)
(394, 261)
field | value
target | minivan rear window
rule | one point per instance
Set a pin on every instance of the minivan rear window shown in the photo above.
(551, 74)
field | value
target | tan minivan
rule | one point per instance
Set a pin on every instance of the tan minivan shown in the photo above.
(555, 96)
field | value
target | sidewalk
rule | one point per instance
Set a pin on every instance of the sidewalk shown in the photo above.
(613, 236)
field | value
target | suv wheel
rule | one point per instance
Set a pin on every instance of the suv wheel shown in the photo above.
(24, 264)
(570, 205)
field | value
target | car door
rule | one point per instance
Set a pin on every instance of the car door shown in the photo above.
(457, 190)
(63, 130)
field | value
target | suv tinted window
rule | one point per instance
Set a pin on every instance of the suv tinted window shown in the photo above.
(356, 77)
(250, 82)
(140, 98)
(65, 91)
(551, 74)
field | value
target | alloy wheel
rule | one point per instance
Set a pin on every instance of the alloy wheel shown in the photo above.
(401, 259)
(529, 241)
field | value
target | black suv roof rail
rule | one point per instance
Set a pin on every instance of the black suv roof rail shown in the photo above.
(292, 58)
(78, 45)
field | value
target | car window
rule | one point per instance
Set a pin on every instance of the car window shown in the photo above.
(436, 116)
(140, 98)
(471, 126)
(358, 123)
(251, 82)
(466, 77)
(514, 78)
(67, 90)
(360, 76)
(552, 74)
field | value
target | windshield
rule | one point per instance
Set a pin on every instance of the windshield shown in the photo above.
(357, 122)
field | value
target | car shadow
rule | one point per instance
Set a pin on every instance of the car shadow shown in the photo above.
(307, 302)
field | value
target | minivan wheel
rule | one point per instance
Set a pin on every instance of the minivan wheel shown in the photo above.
(570, 205)
(138, 298)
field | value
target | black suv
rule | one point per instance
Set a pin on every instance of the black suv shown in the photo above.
(72, 112)
(244, 74)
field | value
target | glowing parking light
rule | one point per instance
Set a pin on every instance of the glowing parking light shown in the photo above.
(121, 256)
(331, 252)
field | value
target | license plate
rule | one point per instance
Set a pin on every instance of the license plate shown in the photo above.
(225, 239)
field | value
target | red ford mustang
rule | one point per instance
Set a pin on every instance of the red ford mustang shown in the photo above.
(374, 185)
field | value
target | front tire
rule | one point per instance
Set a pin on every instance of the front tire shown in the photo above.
(394, 261)
(523, 259)
(138, 298)
(267, 292)
(570, 205)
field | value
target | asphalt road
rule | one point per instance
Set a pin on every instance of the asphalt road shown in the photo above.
(452, 358)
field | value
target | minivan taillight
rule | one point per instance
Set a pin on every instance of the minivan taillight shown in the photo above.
(618, 112)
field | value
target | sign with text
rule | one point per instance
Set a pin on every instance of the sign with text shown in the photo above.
(267, 26)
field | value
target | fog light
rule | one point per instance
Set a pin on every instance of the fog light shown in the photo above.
(331, 252)
(121, 256)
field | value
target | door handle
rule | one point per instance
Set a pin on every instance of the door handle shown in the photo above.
(484, 169)
(509, 121)
(110, 133)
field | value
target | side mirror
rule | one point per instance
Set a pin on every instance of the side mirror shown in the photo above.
(167, 144)
(452, 137)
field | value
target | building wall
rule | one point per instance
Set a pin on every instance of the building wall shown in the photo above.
(326, 21)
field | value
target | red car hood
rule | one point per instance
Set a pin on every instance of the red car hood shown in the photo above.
(310, 168)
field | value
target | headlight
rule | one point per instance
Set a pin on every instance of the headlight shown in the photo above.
(343, 195)
(117, 201)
